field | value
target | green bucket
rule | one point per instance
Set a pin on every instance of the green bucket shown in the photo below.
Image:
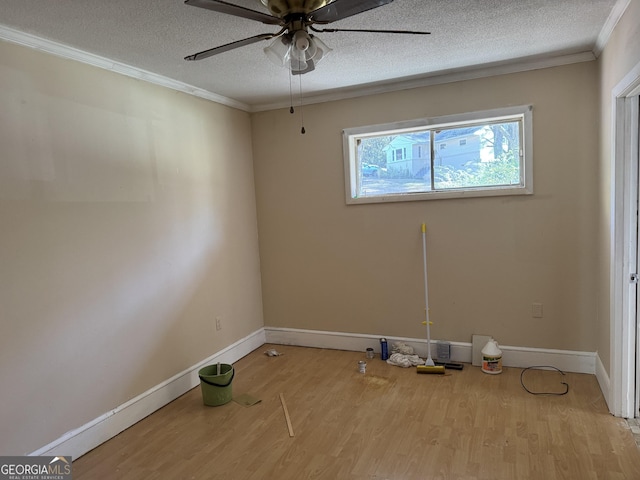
(216, 385)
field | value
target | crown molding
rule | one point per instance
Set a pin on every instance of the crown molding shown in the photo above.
(438, 78)
(64, 51)
(607, 29)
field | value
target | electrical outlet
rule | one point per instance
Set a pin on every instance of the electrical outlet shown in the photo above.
(536, 310)
(218, 323)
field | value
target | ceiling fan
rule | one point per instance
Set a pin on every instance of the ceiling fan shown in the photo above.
(293, 46)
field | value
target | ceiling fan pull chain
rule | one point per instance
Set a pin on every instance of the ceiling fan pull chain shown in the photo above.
(302, 130)
(291, 110)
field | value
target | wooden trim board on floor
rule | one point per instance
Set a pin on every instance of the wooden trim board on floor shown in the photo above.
(286, 415)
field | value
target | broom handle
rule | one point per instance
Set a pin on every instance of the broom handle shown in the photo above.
(426, 290)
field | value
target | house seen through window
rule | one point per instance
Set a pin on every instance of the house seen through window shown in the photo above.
(476, 154)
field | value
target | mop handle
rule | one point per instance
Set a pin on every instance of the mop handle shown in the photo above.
(426, 288)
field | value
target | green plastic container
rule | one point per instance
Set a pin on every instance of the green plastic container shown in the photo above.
(216, 387)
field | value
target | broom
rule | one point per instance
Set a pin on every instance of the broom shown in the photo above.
(429, 366)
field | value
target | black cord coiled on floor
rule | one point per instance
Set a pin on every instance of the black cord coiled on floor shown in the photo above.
(541, 367)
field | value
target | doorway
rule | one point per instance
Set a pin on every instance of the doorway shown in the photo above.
(624, 391)
(633, 106)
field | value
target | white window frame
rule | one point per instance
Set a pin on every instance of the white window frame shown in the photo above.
(523, 112)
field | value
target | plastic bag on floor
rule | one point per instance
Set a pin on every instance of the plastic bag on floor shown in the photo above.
(403, 348)
(404, 361)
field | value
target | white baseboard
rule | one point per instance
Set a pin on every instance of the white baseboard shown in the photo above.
(603, 380)
(521, 357)
(79, 441)
(85, 438)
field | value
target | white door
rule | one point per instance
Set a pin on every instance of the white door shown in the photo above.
(624, 386)
(633, 104)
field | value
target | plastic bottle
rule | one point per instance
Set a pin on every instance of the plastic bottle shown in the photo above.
(384, 349)
(491, 358)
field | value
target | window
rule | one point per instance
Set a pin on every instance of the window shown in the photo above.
(489, 153)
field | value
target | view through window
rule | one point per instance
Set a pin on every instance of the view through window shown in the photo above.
(477, 154)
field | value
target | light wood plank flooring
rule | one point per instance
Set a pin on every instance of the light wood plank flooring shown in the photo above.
(389, 423)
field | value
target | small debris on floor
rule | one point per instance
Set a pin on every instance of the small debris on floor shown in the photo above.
(246, 400)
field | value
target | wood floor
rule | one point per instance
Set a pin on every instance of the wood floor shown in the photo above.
(389, 423)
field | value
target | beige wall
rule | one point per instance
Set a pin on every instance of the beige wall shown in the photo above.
(358, 268)
(621, 54)
(127, 223)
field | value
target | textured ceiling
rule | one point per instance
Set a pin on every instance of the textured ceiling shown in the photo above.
(156, 35)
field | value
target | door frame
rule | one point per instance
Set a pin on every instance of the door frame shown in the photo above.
(624, 379)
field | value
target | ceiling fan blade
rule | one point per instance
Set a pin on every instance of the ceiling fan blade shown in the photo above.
(238, 11)
(339, 9)
(230, 46)
(333, 30)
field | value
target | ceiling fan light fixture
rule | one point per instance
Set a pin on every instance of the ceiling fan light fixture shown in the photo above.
(322, 49)
(302, 42)
(299, 52)
(297, 59)
(278, 50)
(298, 65)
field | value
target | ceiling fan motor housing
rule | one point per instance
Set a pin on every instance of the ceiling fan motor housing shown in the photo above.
(282, 8)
